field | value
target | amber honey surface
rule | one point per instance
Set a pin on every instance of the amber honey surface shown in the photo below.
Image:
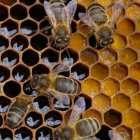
(109, 77)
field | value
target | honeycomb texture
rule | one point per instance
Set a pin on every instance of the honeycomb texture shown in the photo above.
(109, 77)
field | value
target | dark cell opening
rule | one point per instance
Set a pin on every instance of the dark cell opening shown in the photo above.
(3, 13)
(1, 120)
(28, 2)
(92, 41)
(74, 27)
(3, 43)
(4, 74)
(6, 133)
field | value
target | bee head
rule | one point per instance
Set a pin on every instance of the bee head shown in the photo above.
(106, 42)
(68, 133)
(62, 41)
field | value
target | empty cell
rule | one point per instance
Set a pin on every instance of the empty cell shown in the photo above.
(50, 57)
(5, 134)
(131, 118)
(89, 56)
(136, 133)
(4, 43)
(39, 42)
(101, 102)
(44, 133)
(130, 86)
(119, 41)
(3, 12)
(134, 41)
(125, 132)
(10, 58)
(113, 118)
(99, 71)
(128, 56)
(53, 119)
(23, 133)
(18, 12)
(110, 87)
(12, 89)
(8, 2)
(92, 41)
(125, 26)
(4, 104)
(74, 27)
(9, 28)
(79, 71)
(90, 87)
(30, 57)
(121, 102)
(1, 120)
(19, 43)
(37, 12)
(4, 74)
(21, 73)
(135, 102)
(28, 2)
(108, 56)
(119, 71)
(33, 120)
(80, 44)
(69, 57)
(135, 71)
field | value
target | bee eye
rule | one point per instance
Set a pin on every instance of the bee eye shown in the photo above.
(104, 43)
(66, 39)
(58, 40)
(111, 40)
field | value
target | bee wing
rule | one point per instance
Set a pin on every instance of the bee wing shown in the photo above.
(50, 13)
(113, 135)
(116, 10)
(70, 10)
(78, 108)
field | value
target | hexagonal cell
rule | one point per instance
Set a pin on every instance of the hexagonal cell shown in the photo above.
(135, 102)
(33, 120)
(80, 8)
(23, 133)
(18, 12)
(99, 71)
(135, 71)
(50, 57)
(28, 2)
(10, 58)
(93, 113)
(89, 56)
(40, 69)
(4, 43)
(80, 44)
(92, 41)
(39, 42)
(128, 56)
(108, 56)
(12, 89)
(45, 23)
(74, 27)
(1, 120)
(4, 74)
(6, 133)
(101, 102)
(131, 118)
(113, 118)
(41, 104)
(130, 86)
(44, 133)
(69, 56)
(90, 87)
(28, 27)
(102, 2)
(3, 13)
(9, 28)
(110, 87)
(79, 71)
(19, 43)
(84, 29)
(35, 14)
(119, 71)
(125, 26)
(125, 132)
(21, 73)
(119, 41)
(30, 57)
(53, 119)
(121, 102)
(8, 2)
(138, 26)
(136, 133)
(4, 104)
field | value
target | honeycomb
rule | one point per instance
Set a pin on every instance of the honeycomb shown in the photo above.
(109, 77)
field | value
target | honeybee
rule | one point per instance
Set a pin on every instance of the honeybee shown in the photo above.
(76, 129)
(56, 85)
(17, 111)
(60, 17)
(98, 19)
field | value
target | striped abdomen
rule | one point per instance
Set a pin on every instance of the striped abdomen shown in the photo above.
(98, 14)
(15, 114)
(66, 85)
(87, 127)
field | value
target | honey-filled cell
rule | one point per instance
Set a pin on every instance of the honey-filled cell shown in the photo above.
(135, 71)
(84, 29)
(136, 133)
(135, 102)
